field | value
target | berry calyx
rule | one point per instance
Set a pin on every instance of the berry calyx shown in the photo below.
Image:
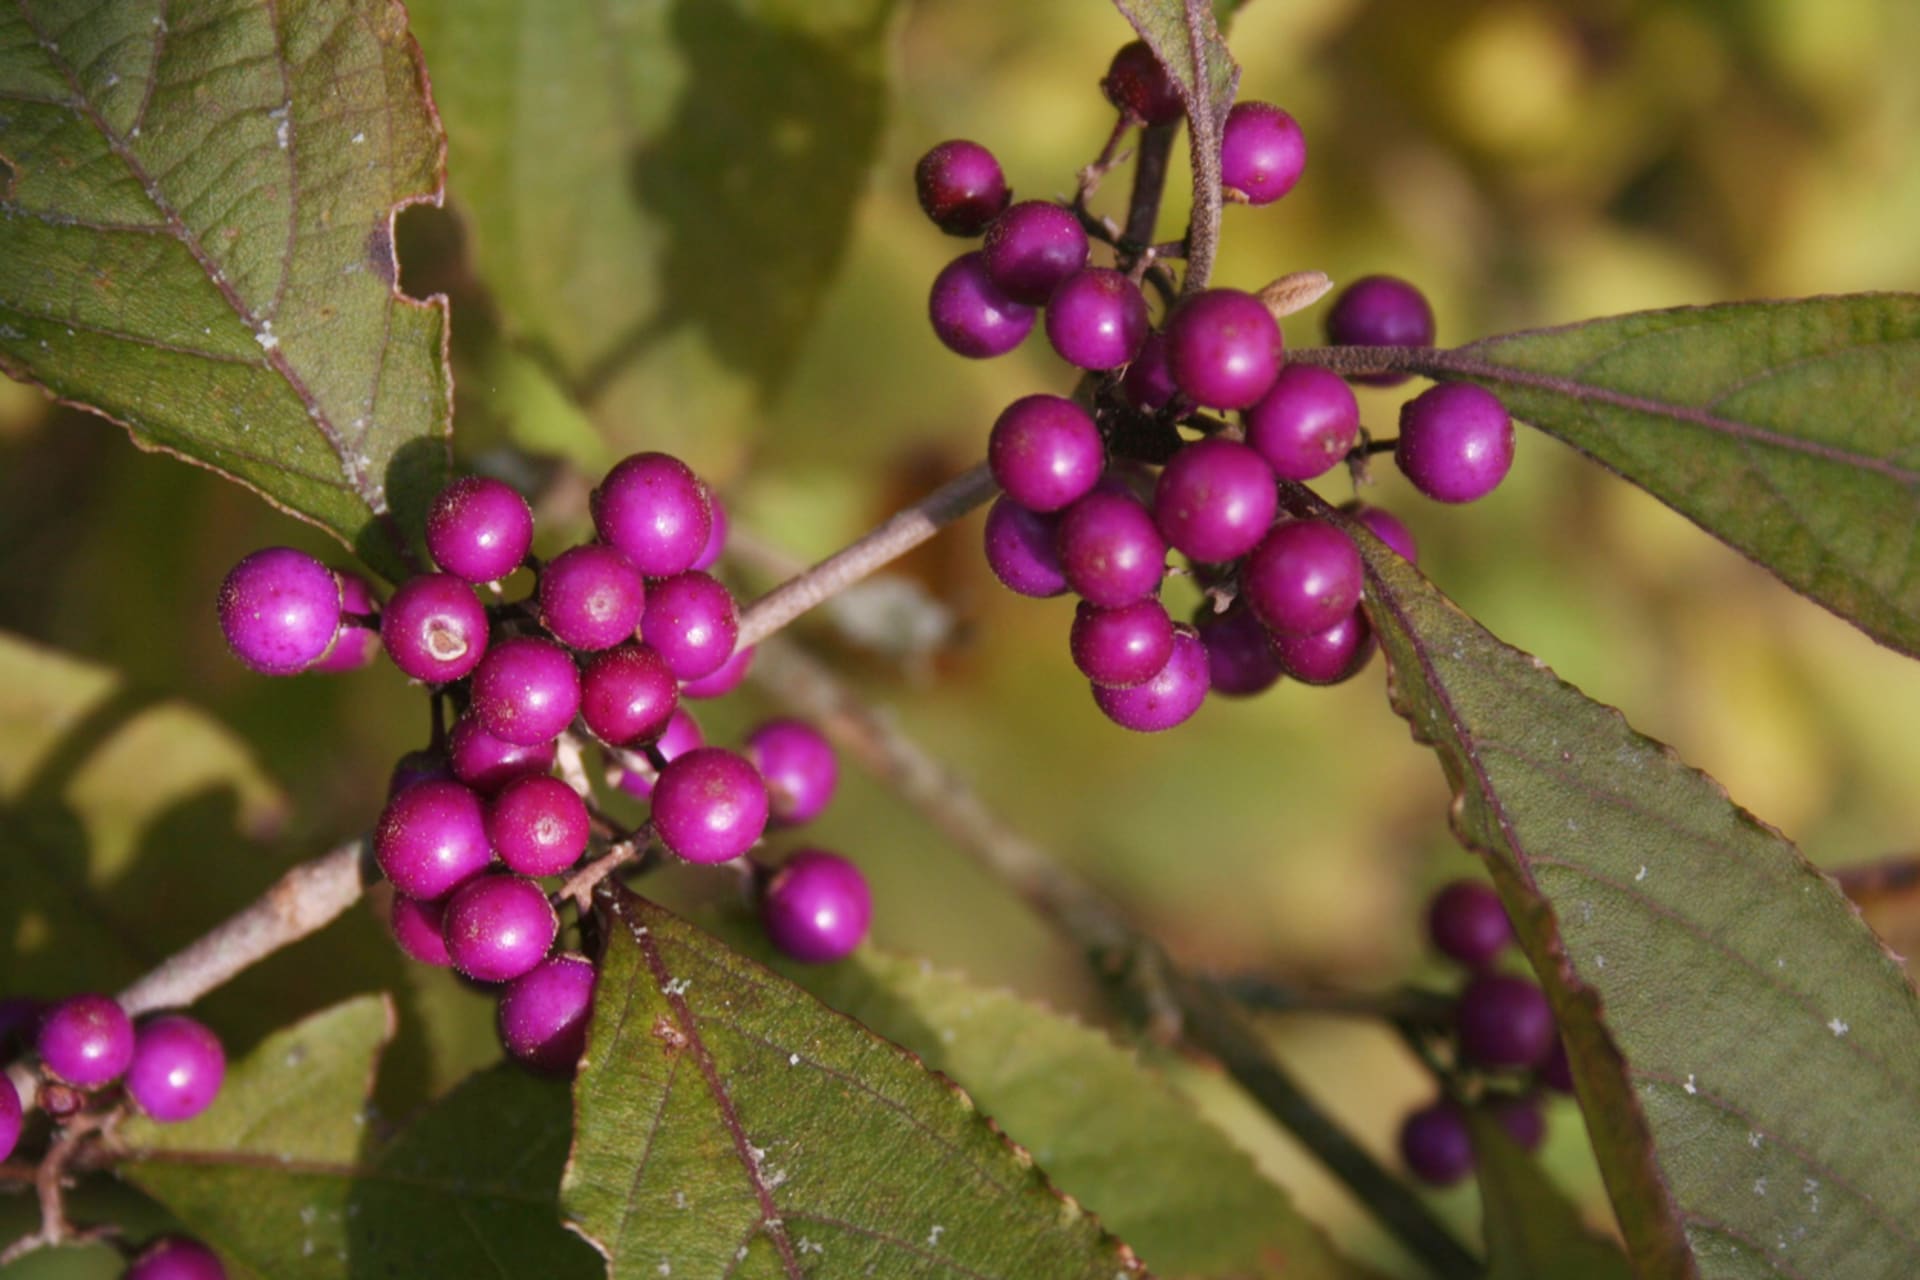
(1380, 311)
(86, 1041)
(1097, 319)
(434, 629)
(479, 529)
(176, 1258)
(1137, 84)
(1022, 549)
(538, 826)
(1045, 452)
(1110, 550)
(1216, 498)
(1466, 922)
(418, 927)
(627, 695)
(1306, 422)
(1437, 1144)
(1262, 151)
(432, 837)
(1240, 653)
(177, 1068)
(961, 187)
(799, 766)
(1171, 697)
(1329, 656)
(1224, 348)
(279, 610)
(526, 690)
(692, 622)
(709, 806)
(1303, 577)
(1504, 1022)
(499, 927)
(1456, 442)
(1032, 247)
(1121, 647)
(817, 907)
(972, 315)
(543, 1013)
(654, 510)
(487, 763)
(591, 597)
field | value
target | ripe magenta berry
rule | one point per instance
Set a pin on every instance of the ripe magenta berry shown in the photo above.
(1387, 527)
(1215, 499)
(716, 535)
(431, 837)
(499, 927)
(1329, 656)
(1305, 423)
(526, 690)
(417, 766)
(1110, 550)
(1022, 549)
(434, 629)
(591, 597)
(538, 826)
(1380, 311)
(1240, 657)
(1466, 922)
(86, 1041)
(177, 1068)
(1138, 85)
(1520, 1115)
(1224, 348)
(1504, 1021)
(354, 645)
(1121, 647)
(1148, 382)
(1437, 1145)
(1032, 248)
(961, 187)
(176, 1258)
(1262, 151)
(1096, 319)
(419, 927)
(971, 314)
(1557, 1072)
(627, 695)
(799, 767)
(1456, 442)
(11, 1116)
(543, 1013)
(279, 609)
(487, 763)
(709, 805)
(479, 529)
(654, 510)
(817, 907)
(1172, 696)
(1303, 577)
(681, 735)
(723, 681)
(692, 622)
(1045, 451)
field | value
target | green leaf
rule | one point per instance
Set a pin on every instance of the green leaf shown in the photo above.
(1747, 1054)
(1185, 36)
(1787, 429)
(197, 242)
(727, 1123)
(1532, 1229)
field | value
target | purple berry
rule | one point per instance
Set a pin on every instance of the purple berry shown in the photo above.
(479, 529)
(692, 622)
(1045, 451)
(1328, 656)
(1240, 657)
(279, 609)
(417, 766)
(627, 695)
(1148, 382)
(418, 926)
(1032, 247)
(526, 691)
(538, 826)
(1437, 1144)
(1110, 550)
(681, 735)
(654, 510)
(1122, 647)
(721, 682)
(434, 628)
(1215, 499)
(176, 1258)
(1171, 697)
(1380, 311)
(1466, 922)
(499, 927)
(817, 907)
(1306, 422)
(86, 1041)
(1022, 549)
(971, 314)
(961, 187)
(1262, 151)
(1138, 85)
(799, 767)
(1304, 577)
(1504, 1021)
(1456, 442)
(1520, 1115)
(1557, 1071)
(1096, 319)
(19, 1019)
(591, 597)
(716, 535)
(1224, 348)
(1387, 527)
(487, 763)
(11, 1116)
(354, 646)
(709, 806)
(176, 1070)
(544, 1011)
(432, 837)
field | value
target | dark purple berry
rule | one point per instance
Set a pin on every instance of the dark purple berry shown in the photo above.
(487, 763)
(526, 690)
(709, 806)
(1224, 348)
(1262, 152)
(1138, 85)
(432, 837)
(817, 907)
(1032, 247)
(11, 1116)
(1456, 442)
(716, 535)
(1045, 451)
(86, 1041)
(1466, 922)
(654, 510)
(1329, 656)
(681, 735)
(544, 1011)
(19, 1019)
(1380, 311)
(177, 1068)
(627, 695)
(1110, 550)
(418, 926)
(971, 314)
(799, 767)
(1437, 1144)
(692, 622)
(591, 597)
(1240, 657)
(499, 927)
(1215, 499)
(417, 766)
(1557, 1072)
(1096, 319)
(538, 826)
(1303, 577)
(961, 187)
(1022, 549)
(279, 609)
(1171, 697)
(1305, 423)
(479, 529)
(1148, 382)
(723, 681)
(434, 629)
(1520, 1115)
(1387, 527)
(1122, 647)
(176, 1258)
(354, 645)
(1504, 1021)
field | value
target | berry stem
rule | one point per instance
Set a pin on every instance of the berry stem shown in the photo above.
(579, 887)
(1416, 1007)
(49, 1182)
(1110, 157)
(1149, 182)
(1203, 129)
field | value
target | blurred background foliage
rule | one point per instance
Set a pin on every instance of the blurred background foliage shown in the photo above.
(1527, 162)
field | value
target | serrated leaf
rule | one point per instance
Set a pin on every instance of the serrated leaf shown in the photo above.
(1186, 38)
(728, 1123)
(196, 240)
(1532, 1229)
(1791, 430)
(1747, 1054)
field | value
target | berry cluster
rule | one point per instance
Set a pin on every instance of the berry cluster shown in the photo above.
(1082, 508)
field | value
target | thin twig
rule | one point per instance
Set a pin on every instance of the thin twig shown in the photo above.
(1413, 1006)
(49, 1181)
(1149, 182)
(580, 885)
(1203, 130)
